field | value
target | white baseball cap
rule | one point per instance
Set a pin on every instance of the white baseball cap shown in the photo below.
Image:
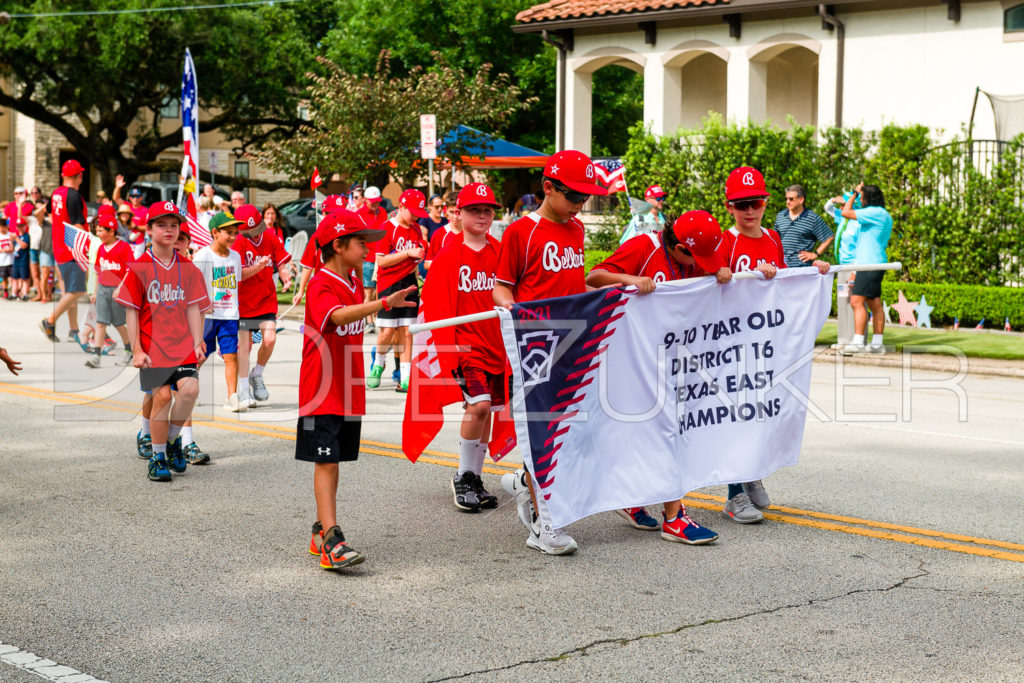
(19, 189)
(372, 194)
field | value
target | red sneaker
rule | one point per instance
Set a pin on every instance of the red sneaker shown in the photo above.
(318, 538)
(335, 553)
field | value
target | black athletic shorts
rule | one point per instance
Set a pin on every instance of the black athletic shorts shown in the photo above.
(328, 438)
(868, 284)
(254, 324)
(154, 378)
(400, 316)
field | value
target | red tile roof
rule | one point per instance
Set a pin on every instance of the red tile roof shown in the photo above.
(575, 9)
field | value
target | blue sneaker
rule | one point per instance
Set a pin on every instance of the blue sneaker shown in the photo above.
(639, 519)
(682, 529)
(144, 444)
(158, 469)
(373, 355)
(176, 456)
(397, 375)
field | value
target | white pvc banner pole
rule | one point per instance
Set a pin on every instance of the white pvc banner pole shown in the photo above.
(745, 275)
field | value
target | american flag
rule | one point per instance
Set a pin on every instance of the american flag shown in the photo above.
(611, 172)
(190, 133)
(1006, 325)
(956, 323)
(201, 236)
(981, 325)
(78, 242)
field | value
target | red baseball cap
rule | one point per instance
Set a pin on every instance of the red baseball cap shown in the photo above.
(71, 168)
(27, 208)
(332, 203)
(372, 194)
(415, 202)
(163, 209)
(248, 216)
(475, 194)
(106, 210)
(745, 182)
(575, 170)
(655, 191)
(107, 220)
(344, 223)
(699, 233)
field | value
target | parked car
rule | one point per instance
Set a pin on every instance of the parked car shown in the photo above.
(155, 191)
(298, 215)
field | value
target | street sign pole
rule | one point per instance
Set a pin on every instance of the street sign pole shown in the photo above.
(428, 147)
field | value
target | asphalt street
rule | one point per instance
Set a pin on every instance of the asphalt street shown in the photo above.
(895, 549)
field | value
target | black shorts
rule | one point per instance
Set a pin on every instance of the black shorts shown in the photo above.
(868, 284)
(154, 378)
(328, 438)
(399, 316)
(253, 324)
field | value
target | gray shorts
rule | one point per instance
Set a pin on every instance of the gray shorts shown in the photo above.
(108, 311)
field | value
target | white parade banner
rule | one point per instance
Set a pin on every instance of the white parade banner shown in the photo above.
(693, 385)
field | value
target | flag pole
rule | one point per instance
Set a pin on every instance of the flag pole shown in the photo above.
(745, 275)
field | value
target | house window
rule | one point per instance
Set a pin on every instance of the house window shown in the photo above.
(242, 171)
(170, 110)
(1013, 19)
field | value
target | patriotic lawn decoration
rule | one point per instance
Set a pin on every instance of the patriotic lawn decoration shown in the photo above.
(623, 400)
(612, 174)
(79, 243)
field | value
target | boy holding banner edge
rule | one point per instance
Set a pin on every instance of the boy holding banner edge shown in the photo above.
(685, 250)
(748, 246)
(542, 257)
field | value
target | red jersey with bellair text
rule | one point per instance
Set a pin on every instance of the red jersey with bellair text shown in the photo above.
(645, 256)
(398, 238)
(257, 295)
(442, 237)
(741, 253)
(112, 263)
(373, 220)
(332, 377)
(475, 293)
(542, 259)
(162, 293)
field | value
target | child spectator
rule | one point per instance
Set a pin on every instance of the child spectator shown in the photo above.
(6, 256)
(331, 394)
(112, 260)
(165, 297)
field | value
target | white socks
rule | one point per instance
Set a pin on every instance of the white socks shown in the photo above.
(467, 455)
(404, 369)
(186, 435)
(858, 339)
(145, 426)
(876, 340)
(478, 461)
(257, 370)
(172, 431)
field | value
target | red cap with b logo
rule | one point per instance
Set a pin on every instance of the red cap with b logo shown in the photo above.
(476, 194)
(575, 170)
(699, 233)
(249, 217)
(745, 182)
(71, 168)
(415, 202)
(334, 202)
(161, 209)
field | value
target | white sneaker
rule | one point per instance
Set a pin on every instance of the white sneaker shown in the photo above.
(514, 484)
(555, 542)
(257, 389)
(233, 405)
(93, 362)
(851, 349)
(125, 360)
(876, 349)
(758, 496)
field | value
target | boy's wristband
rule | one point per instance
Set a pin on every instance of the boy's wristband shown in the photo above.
(384, 305)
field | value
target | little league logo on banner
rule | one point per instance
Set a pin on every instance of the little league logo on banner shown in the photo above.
(623, 400)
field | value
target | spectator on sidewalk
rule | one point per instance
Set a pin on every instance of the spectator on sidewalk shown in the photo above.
(872, 241)
(652, 220)
(805, 236)
(67, 207)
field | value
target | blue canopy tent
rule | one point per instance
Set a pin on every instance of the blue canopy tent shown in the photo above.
(481, 150)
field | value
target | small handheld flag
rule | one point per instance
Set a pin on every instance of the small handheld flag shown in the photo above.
(611, 172)
(1006, 325)
(316, 181)
(78, 242)
(980, 325)
(956, 323)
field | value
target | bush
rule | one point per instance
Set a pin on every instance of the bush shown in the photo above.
(953, 221)
(594, 256)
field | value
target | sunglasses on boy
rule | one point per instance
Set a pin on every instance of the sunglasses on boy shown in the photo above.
(573, 196)
(748, 204)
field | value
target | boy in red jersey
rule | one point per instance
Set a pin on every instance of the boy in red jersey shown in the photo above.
(311, 261)
(463, 283)
(685, 250)
(748, 246)
(257, 300)
(331, 394)
(165, 297)
(449, 231)
(542, 257)
(112, 261)
(398, 253)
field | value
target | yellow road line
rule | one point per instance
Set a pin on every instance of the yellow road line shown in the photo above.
(787, 515)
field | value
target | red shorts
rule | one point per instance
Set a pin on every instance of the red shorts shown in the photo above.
(478, 385)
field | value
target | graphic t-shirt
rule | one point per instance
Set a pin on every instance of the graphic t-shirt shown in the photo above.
(112, 263)
(6, 249)
(222, 275)
(257, 295)
(332, 377)
(741, 253)
(542, 259)
(475, 293)
(162, 293)
(66, 206)
(398, 238)
(645, 256)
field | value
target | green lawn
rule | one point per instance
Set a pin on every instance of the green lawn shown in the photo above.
(975, 344)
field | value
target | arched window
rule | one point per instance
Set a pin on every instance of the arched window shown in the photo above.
(1013, 19)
